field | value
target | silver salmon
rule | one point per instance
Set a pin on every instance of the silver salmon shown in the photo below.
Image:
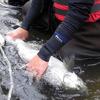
(57, 73)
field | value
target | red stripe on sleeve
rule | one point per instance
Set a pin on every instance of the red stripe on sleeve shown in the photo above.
(97, 2)
(59, 17)
(59, 6)
(94, 17)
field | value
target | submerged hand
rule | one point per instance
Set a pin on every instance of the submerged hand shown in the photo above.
(19, 33)
(37, 65)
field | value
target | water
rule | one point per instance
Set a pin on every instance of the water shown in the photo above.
(25, 87)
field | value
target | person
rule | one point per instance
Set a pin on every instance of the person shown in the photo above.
(78, 23)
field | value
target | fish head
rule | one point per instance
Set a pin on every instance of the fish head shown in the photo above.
(75, 84)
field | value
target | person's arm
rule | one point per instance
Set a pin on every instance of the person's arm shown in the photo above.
(22, 32)
(32, 13)
(79, 11)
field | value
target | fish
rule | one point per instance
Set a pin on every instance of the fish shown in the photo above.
(57, 73)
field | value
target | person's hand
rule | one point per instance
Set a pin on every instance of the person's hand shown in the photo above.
(37, 66)
(18, 33)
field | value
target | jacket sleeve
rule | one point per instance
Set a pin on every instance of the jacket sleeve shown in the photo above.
(32, 14)
(79, 11)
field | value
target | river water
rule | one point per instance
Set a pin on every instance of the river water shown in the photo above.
(25, 87)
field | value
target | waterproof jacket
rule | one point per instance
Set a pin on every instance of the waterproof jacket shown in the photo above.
(61, 8)
(77, 13)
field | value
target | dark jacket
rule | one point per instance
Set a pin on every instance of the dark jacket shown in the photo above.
(76, 16)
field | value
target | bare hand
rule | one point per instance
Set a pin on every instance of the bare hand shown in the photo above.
(19, 33)
(38, 66)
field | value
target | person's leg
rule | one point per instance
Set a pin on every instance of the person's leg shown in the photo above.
(85, 47)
